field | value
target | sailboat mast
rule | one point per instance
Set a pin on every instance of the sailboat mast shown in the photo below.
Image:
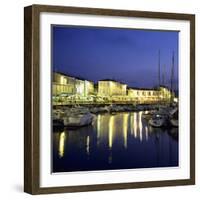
(172, 76)
(159, 68)
(163, 75)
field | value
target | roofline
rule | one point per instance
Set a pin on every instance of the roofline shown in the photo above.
(113, 81)
(148, 89)
(76, 77)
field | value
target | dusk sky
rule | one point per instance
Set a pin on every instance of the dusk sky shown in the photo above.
(126, 55)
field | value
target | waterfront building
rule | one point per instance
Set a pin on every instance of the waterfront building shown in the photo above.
(84, 87)
(89, 87)
(166, 94)
(68, 85)
(63, 84)
(78, 90)
(110, 88)
(144, 95)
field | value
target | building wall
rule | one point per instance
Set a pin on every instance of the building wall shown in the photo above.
(63, 79)
(84, 87)
(150, 95)
(70, 85)
(63, 84)
(89, 87)
(114, 91)
(104, 88)
(58, 89)
(165, 94)
(80, 87)
(117, 89)
(111, 88)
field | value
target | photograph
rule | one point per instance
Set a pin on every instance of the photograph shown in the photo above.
(109, 99)
(114, 98)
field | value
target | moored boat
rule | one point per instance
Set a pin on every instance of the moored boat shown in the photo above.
(78, 120)
(57, 114)
(174, 117)
(158, 121)
(147, 115)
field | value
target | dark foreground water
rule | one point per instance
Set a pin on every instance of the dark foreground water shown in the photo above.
(120, 141)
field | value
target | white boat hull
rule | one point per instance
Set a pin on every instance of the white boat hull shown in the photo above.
(78, 120)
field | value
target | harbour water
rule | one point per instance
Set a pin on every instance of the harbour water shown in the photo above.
(122, 140)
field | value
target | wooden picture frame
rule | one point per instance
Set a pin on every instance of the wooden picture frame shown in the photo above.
(32, 98)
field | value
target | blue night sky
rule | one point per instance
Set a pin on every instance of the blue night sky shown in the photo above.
(126, 55)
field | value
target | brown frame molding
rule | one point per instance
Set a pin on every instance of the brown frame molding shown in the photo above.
(32, 106)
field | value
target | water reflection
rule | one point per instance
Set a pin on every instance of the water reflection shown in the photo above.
(115, 141)
(134, 125)
(110, 131)
(61, 144)
(88, 145)
(110, 128)
(140, 125)
(146, 132)
(125, 128)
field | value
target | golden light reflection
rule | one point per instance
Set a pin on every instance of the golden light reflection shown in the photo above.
(131, 124)
(88, 145)
(116, 127)
(125, 129)
(62, 144)
(140, 125)
(110, 133)
(98, 126)
(146, 133)
(135, 124)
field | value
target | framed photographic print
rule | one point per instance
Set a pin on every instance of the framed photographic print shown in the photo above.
(109, 99)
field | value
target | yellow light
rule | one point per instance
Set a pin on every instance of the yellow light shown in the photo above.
(175, 99)
(125, 129)
(131, 124)
(140, 125)
(62, 144)
(62, 80)
(110, 133)
(135, 124)
(98, 126)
